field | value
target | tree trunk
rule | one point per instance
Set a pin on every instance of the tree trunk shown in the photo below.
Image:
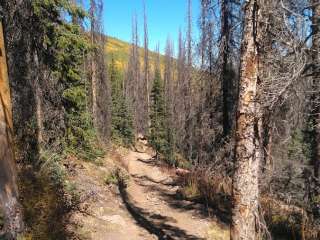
(224, 78)
(316, 86)
(146, 73)
(245, 185)
(94, 89)
(9, 206)
(188, 87)
(93, 63)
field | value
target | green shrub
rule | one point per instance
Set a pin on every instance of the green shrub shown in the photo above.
(115, 176)
(111, 179)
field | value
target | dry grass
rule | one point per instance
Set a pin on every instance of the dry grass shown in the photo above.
(218, 232)
(287, 221)
(215, 190)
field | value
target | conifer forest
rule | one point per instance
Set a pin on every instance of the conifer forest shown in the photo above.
(211, 134)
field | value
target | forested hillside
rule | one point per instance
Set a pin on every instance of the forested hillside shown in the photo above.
(218, 138)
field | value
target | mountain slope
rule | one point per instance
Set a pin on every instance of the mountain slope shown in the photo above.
(120, 51)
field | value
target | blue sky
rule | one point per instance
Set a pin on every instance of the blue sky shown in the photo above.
(164, 17)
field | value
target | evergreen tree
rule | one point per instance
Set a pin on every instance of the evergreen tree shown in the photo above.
(161, 137)
(121, 119)
(66, 48)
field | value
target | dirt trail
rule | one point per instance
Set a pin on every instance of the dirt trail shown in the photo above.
(147, 208)
(151, 199)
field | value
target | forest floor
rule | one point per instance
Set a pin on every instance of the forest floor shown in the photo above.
(146, 208)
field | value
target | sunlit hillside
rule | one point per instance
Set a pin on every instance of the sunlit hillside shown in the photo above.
(120, 51)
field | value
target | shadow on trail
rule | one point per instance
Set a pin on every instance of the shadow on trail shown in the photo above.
(165, 182)
(172, 198)
(202, 207)
(151, 162)
(154, 223)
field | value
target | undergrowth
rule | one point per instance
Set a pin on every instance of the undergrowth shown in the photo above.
(47, 198)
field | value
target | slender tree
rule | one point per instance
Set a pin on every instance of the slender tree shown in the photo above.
(169, 74)
(146, 84)
(93, 37)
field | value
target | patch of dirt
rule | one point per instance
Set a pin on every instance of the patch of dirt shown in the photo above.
(147, 207)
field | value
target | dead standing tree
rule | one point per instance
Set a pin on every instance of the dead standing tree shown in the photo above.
(245, 185)
(224, 60)
(188, 87)
(100, 86)
(263, 90)
(133, 83)
(146, 84)
(93, 64)
(179, 107)
(169, 77)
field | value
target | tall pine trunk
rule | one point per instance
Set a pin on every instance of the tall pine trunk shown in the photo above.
(93, 64)
(146, 92)
(316, 86)
(188, 87)
(9, 207)
(245, 189)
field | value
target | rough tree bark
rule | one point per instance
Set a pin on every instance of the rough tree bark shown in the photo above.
(316, 85)
(245, 185)
(9, 205)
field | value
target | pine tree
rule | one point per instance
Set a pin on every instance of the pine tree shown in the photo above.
(161, 137)
(68, 47)
(122, 131)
